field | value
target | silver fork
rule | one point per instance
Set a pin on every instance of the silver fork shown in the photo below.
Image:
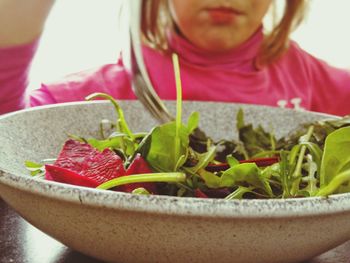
(135, 66)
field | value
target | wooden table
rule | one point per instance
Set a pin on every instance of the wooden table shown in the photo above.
(21, 242)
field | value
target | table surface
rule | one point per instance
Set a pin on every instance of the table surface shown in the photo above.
(21, 242)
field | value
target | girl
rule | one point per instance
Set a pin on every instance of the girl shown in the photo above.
(224, 56)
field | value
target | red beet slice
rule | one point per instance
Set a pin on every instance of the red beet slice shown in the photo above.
(63, 175)
(104, 166)
(200, 194)
(75, 155)
(138, 166)
(262, 162)
(81, 164)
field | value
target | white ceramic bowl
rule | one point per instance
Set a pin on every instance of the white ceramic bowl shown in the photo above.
(122, 227)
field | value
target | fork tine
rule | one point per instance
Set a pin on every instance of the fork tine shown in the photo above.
(149, 101)
(136, 68)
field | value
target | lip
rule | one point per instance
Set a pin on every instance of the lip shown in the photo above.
(223, 15)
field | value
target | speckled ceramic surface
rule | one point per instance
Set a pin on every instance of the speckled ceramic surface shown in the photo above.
(120, 227)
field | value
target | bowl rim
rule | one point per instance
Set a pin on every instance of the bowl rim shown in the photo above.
(173, 102)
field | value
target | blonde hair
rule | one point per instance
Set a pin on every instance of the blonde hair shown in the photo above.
(156, 18)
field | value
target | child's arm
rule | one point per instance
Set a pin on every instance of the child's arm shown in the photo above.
(22, 20)
(109, 78)
(14, 66)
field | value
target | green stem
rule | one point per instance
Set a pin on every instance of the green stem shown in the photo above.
(239, 192)
(284, 168)
(144, 178)
(297, 172)
(272, 142)
(334, 184)
(118, 110)
(178, 103)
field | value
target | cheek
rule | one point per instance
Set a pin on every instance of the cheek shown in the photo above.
(256, 15)
(259, 9)
(188, 20)
(182, 11)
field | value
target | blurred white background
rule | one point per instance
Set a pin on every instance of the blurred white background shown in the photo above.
(81, 34)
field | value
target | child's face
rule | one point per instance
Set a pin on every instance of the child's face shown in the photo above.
(218, 25)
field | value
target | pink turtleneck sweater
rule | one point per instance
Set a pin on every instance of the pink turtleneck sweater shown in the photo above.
(297, 80)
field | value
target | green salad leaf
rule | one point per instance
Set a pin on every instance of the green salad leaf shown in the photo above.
(161, 155)
(335, 166)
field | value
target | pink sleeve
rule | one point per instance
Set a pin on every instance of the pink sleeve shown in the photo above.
(110, 78)
(330, 86)
(14, 68)
(41, 96)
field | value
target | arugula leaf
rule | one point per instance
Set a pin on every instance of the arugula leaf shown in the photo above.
(36, 169)
(285, 171)
(114, 142)
(240, 119)
(193, 121)
(245, 173)
(211, 180)
(339, 180)
(232, 161)
(255, 140)
(203, 160)
(336, 156)
(225, 148)
(161, 155)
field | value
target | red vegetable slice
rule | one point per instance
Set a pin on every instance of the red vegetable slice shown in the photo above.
(138, 166)
(200, 194)
(104, 167)
(262, 162)
(63, 175)
(81, 164)
(75, 155)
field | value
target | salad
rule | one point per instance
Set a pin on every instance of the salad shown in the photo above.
(179, 159)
